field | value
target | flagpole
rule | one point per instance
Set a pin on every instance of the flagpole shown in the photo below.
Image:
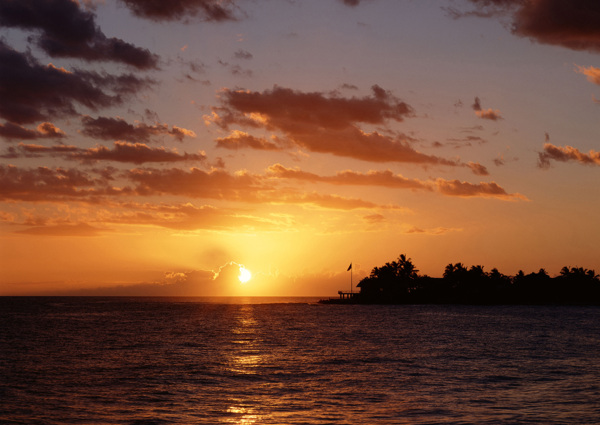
(351, 278)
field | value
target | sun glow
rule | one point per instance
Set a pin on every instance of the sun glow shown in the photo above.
(244, 275)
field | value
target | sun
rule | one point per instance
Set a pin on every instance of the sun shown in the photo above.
(244, 275)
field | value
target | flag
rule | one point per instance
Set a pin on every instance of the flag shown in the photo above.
(349, 267)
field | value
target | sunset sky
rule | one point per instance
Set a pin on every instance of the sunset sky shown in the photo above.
(154, 148)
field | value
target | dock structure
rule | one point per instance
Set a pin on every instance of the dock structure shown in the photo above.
(345, 298)
(346, 295)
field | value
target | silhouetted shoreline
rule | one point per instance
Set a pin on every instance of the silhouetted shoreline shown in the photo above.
(398, 282)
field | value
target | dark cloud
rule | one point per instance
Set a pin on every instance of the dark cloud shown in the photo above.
(570, 24)
(45, 130)
(396, 181)
(195, 183)
(159, 10)
(192, 70)
(326, 123)
(47, 184)
(64, 29)
(32, 92)
(236, 70)
(476, 104)
(243, 54)
(465, 141)
(136, 153)
(118, 129)
(472, 129)
(24, 150)
(565, 154)
(287, 108)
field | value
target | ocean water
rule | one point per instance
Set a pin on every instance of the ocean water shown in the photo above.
(293, 361)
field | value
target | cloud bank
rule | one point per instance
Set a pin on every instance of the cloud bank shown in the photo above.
(63, 29)
(33, 92)
(569, 24)
(566, 154)
(321, 122)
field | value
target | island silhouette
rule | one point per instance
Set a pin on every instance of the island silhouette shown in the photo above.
(398, 282)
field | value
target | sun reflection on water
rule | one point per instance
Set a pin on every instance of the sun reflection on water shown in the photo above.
(243, 415)
(245, 358)
(246, 354)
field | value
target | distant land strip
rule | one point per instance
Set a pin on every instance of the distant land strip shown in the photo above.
(398, 282)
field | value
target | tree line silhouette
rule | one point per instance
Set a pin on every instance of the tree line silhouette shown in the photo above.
(398, 282)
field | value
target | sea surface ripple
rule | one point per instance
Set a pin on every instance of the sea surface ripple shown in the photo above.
(293, 361)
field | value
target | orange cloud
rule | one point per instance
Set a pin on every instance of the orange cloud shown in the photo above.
(566, 153)
(179, 133)
(478, 169)
(59, 184)
(432, 231)
(44, 130)
(465, 189)
(488, 114)
(239, 139)
(327, 201)
(7, 217)
(372, 178)
(592, 74)
(244, 187)
(79, 229)
(190, 217)
(374, 218)
(56, 185)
